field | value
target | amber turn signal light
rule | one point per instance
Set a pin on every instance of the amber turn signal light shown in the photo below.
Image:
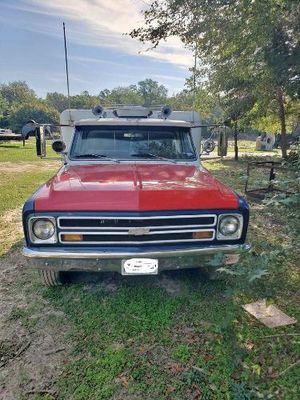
(203, 235)
(72, 237)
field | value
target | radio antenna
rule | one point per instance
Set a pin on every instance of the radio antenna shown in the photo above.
(194, 83)
(67, 71)
(194, 77)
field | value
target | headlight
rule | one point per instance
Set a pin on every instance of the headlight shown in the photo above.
(43, 228)
(230, 227)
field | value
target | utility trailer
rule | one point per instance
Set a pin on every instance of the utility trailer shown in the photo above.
(7, 135)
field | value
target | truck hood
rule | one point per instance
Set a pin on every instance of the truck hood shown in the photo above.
(133, 187)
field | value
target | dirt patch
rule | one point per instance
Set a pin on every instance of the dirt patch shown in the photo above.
(110, 282)
(33, 345)
(13, 216)
(169, 283)
(10, 228)
(28, 167)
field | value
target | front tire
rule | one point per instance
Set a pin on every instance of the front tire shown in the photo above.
(51, 278)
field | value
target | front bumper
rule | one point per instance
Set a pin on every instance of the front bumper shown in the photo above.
(84, 260)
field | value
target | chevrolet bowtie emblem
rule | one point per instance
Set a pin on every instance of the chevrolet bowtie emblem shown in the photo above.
(138, 231)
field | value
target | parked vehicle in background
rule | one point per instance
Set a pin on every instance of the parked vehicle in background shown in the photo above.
(131, 197)
(7, 135)
(5, 131)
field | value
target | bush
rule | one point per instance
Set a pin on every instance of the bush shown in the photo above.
(38, 111)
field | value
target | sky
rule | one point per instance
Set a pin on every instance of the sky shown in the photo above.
(101, 55)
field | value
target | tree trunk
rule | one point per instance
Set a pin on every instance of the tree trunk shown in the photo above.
(236, 148)
(281, 113)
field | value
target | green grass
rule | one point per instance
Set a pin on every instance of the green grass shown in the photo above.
(139, 342)
(18, 181)
(15, 188)
(15, 152)
(144, 342)
(248, 146)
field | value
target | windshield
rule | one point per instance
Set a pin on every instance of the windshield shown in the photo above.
(123, 143)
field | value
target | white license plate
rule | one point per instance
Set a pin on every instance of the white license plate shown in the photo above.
(140, 266)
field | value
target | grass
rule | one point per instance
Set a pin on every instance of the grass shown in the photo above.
(24, 174)
(142, 342)
(15, 152)
(16, 189)
(248, 146)
(139, 342)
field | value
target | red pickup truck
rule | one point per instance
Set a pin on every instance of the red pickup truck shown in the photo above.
(131, 197)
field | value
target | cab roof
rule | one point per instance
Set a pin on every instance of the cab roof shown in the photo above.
(132, 122)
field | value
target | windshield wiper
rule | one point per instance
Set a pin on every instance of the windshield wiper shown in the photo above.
(151, 155)
(96, 155)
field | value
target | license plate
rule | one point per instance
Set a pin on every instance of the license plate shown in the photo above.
(140, 266)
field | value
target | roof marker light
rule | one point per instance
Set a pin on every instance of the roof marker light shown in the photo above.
(166, 111)
(98, 110)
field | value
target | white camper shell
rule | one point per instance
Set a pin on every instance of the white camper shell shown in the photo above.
(72, 117)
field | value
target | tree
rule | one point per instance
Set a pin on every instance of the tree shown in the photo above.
(203, 100)
(237, 97)
(17, 92)
(3, 111)
(38, 111)
(60, 102)
(258, 39)
(152, 92)
(236, 105)
(120, 95)
(57, 100)
(147, 92)
(84, 100)
(11, 95)
(183, 100)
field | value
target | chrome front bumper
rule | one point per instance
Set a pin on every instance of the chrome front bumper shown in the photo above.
(84, 260)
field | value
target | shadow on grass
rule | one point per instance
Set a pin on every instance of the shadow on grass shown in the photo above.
(88, 277)
(173, 282)
(16, 246)
(12, 146)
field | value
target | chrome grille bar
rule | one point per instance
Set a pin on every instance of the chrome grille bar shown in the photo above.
(146, 219)
(127, 230)
(128, 233)
(131, 242)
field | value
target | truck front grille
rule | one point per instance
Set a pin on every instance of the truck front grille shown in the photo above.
(103, 230)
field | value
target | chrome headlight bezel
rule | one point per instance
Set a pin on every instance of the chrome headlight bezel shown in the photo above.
(233, 236)
(36, 240)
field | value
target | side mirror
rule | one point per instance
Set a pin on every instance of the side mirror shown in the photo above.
(58, 146)
(40, 141)
(222, 143)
